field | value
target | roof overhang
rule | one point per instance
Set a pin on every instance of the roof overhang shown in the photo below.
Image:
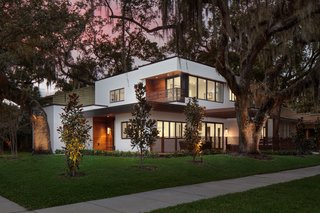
(108, 111)
(226, 112)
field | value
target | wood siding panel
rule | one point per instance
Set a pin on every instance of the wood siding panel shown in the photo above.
(86, 96)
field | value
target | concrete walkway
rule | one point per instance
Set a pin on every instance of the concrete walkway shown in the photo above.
(161, 198)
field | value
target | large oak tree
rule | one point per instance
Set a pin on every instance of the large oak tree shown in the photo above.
(267, 50)
(276, 43)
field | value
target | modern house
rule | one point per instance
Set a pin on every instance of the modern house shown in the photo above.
(169, 84)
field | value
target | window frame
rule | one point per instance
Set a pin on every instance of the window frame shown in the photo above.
(122, 129)
(215, 95)
(232, 96)
(116, 94)
(168, 131)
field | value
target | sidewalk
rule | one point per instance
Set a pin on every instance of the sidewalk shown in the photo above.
(161, 198)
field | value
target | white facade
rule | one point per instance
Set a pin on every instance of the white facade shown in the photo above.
(107, 116)
(129, 79)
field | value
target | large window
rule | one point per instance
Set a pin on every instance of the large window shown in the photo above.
(166, 129)
(202, 88)
(160, 128)
(193, 86)
(173, 86)
(117, 95)
(219, 92)
(124, 125)
(205, 89)
(211, 90)
(170, 129)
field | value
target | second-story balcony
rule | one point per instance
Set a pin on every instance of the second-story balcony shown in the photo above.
(168, 95)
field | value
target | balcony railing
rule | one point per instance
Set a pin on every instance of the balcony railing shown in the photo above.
(165, 96)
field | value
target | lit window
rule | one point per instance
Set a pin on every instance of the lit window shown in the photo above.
(203, 130)
(192, 86)
(211, 91)
(183, 128)
(159, 128)
(232, 96)
(172, 130)
(219, 92)
(173, 86)
(117, 95)
(166, 129)
(202, 91)
(264, 132)
(124, 125)
(205, 89)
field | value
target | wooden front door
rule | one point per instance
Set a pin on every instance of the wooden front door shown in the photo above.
(103, 133)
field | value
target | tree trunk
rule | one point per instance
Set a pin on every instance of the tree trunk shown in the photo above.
(41, 133)
(1, 147)
(38, 117)
(141, 156)
(276, 124)
(249, 131)
(13, 140)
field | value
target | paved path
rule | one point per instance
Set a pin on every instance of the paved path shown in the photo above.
(161, 198)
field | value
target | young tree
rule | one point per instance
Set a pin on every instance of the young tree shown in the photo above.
(194, 116)
(74, 133)
(11, 122)
(142, 130)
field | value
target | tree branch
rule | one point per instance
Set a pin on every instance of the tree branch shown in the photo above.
(222, 63)
(155, 29)
(295, 88)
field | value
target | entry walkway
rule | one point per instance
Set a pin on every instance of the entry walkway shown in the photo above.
(161, 198)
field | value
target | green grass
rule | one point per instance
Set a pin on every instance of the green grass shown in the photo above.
(295, 196)
(36, 181)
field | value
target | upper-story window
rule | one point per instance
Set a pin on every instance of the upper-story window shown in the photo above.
(173, 88)
(117, 95)
(232, 96)
(193, 85)
(205, 89)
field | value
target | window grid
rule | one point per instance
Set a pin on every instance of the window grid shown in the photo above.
(205, 89)
(124, 125)
(170, 129)
(232, 96)
(117, 95)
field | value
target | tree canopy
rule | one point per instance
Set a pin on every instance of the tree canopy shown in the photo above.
(267, 50)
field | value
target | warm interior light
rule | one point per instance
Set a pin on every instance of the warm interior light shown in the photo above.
(226, 132)
(108, 130)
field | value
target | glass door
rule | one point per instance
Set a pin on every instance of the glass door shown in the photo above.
(173, 87)
(218, 143)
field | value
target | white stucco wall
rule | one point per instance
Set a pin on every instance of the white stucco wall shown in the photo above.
(54, 121)
(129, 79)
(119, 143)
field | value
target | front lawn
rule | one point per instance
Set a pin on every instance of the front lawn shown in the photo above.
(38, 181)
(294, 197)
